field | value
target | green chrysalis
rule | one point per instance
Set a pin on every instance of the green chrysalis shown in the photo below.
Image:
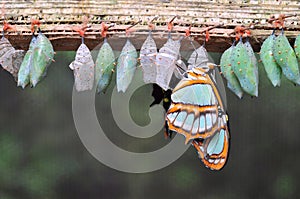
(104, 66)
(272, 69)
(36, 61)
(43, 54)
(24, 72)
(226, 69)
(244, 68)
(285, 56)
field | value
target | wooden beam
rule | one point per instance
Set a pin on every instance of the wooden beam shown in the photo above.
(58, 17)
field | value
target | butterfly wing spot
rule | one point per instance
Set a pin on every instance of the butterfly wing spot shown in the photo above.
(188, 122)
(202, 124)
(179, 121)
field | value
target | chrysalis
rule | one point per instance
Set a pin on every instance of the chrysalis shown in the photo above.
(83, 68)
(166, 62)
(147, 59)
(244, 68)
(43, 54)
(286, 58)
(126, 66)
(24, 72)
(198, 58)
(253, 60)
(37, 59)
(226, 69)
(104, 66)
(10, 59)
(297, 47)
(272, 69)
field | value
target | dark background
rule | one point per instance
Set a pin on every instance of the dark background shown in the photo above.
(41, 155)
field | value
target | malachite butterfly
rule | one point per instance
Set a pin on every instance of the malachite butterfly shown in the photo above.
(83, 68)
(244, 66)
(272, 69)
(105, 64)
(166, 62)
(226, 68)
(126, 66)
(197, 112)
(10, 58)
(285, 56)
(148, 54)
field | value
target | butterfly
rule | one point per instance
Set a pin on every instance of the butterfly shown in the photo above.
(198, 113)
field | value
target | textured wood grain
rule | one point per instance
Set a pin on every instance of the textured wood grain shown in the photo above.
(59, 16)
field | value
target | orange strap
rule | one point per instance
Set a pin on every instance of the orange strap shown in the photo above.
(35, 22)
(7, 26)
